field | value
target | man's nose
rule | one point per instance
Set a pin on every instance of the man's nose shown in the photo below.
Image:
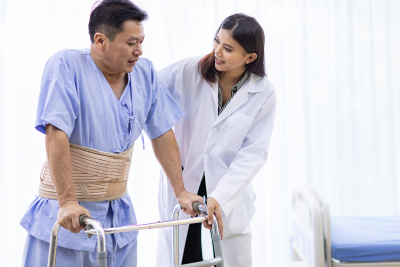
(138, 51)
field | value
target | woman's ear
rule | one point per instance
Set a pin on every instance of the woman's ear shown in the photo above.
(250, 58)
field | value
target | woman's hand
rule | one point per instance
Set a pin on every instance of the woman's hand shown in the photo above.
(214, 208)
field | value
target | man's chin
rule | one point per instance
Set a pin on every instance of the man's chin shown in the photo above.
(129, 69)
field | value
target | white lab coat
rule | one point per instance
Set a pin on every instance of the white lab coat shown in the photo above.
(230, 148)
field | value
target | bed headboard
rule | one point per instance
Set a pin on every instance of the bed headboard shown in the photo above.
(311, 228)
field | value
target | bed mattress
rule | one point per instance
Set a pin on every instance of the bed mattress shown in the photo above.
(366, 239)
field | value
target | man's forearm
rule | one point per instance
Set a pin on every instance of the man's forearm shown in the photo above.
(166, 151)
(59, 160)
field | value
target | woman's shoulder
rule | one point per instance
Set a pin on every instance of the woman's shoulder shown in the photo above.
(262, 84)
(189, 64)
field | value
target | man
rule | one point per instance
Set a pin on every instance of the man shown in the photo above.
(93, 105)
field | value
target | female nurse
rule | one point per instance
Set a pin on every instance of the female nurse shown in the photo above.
(223, 138)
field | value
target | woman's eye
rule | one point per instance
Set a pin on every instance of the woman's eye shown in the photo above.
(228, 49)
(216, 40)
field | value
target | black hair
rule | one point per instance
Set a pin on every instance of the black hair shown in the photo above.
(109, 16)
(249, 34)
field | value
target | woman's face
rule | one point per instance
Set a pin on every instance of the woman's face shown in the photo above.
(229, 55)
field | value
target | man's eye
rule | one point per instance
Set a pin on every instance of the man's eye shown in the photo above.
(131, 44)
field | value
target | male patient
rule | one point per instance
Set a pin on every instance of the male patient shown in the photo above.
(93, 105)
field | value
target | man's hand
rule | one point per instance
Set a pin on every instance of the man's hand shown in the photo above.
(214, 208)
(68, 216)
(186, 199)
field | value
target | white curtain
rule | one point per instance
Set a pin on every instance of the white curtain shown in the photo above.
(335, 65)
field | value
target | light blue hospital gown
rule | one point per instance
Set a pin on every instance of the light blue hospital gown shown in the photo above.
(76, 98)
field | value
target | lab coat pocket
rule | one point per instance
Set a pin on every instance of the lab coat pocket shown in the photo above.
(237, 126)
(241, 215)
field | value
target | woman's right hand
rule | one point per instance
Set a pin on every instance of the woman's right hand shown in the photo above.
(214, 208)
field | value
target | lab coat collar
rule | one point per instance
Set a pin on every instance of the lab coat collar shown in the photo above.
(239, 99)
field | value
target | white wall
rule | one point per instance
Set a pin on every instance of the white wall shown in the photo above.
(334, 64)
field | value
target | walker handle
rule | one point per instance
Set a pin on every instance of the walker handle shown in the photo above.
(82, 220)
(195, 206)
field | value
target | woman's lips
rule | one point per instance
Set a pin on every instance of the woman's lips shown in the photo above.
(218, 61)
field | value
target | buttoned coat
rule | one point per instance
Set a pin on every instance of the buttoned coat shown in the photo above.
(230, 148)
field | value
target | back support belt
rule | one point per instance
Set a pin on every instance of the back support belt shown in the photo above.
(96, 175)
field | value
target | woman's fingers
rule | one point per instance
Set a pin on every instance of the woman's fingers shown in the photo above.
(215, 209)
(205, 224)
(210, 215)
(218, 215)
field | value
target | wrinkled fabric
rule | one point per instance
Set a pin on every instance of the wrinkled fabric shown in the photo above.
(36, 252)
(76, 98)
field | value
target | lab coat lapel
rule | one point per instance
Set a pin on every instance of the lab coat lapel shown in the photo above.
(214, 92)
(239, 99)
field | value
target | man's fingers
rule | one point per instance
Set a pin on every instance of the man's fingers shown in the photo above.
(75, 223)
(68, 225)
(185, 211)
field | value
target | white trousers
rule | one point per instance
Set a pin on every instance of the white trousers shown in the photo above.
(236, 249)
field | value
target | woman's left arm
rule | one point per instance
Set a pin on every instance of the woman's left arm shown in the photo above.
(250, 158)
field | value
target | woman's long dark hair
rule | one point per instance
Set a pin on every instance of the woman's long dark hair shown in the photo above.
(249, 34)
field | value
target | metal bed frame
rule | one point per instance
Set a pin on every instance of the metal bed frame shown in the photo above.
(311, 237)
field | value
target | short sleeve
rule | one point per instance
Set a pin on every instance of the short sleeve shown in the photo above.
(164, 112)
(58, 100)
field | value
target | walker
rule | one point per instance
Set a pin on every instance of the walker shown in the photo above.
(93, 227)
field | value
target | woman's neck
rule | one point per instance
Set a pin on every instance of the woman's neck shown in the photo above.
(231, 77)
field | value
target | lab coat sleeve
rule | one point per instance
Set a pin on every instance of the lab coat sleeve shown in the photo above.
(164, 112)
(250, 158)
(169, 77)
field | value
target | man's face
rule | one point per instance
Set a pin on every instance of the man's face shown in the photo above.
(122, 54)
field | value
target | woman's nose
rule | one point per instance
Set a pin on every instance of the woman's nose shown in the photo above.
(218, 49)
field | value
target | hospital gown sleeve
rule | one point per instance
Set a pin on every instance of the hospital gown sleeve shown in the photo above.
(164, 112)
(58, 100)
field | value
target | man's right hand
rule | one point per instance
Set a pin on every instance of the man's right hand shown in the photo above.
(68, 216)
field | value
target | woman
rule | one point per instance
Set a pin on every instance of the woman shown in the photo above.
(223, 138)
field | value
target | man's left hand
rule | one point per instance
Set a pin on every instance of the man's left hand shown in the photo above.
(186, 199)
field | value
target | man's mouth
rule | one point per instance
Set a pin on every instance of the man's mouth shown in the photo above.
(132, 62)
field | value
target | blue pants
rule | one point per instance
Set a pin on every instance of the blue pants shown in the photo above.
(36, 253)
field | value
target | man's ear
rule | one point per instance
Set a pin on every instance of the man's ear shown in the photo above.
(250, 58)
(100, 40)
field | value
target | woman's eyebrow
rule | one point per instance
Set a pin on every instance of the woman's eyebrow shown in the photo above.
(216, 37)
(229, 46)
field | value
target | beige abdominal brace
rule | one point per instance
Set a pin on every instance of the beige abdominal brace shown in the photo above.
(96, 175)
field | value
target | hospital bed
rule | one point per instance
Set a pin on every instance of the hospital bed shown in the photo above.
(93, 227)
(321, 241)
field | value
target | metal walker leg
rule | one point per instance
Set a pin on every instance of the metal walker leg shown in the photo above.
(93, 227)
(101, 241)
(216, 237)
